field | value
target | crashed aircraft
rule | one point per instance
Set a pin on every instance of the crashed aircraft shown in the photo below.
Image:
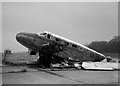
(56, 49)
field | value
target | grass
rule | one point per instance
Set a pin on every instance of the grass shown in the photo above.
(21, 56)
(18, 58)
(24, 56)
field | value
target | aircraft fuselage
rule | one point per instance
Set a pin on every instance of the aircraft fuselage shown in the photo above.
(58, 46)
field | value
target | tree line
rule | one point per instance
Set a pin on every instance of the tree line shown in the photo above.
(111, 46)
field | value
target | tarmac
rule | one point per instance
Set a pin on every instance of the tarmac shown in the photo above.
(22, 74)
(27, 75)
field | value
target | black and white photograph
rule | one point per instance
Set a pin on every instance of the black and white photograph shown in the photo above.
(68, 43)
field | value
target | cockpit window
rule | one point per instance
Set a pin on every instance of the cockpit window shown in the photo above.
(42, 33)
(48, 36)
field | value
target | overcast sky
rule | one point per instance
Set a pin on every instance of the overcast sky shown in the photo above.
(78, 21)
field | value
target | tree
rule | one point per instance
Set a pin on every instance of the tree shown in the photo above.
(99, 46)
(4, 59)
(7, 52)
(106, 47)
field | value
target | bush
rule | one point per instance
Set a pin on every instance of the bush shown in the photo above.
(106, 46)
(4, 57)
(7, 52)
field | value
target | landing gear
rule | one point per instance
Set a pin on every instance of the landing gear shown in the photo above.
(44, 61)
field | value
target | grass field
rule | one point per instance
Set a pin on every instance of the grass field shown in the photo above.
(24, 56)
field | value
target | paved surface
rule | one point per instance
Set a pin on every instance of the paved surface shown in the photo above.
(13, 75)
(17, 75)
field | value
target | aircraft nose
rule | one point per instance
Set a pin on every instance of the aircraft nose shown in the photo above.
(20, 37)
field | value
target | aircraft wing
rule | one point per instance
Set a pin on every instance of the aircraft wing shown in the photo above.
(72, 54)
(69, 53)
(59, 50)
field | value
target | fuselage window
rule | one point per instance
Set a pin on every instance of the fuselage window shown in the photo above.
(74, 46)
(57, 39)
(66, 43)
(43, 34)
(48, 36)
